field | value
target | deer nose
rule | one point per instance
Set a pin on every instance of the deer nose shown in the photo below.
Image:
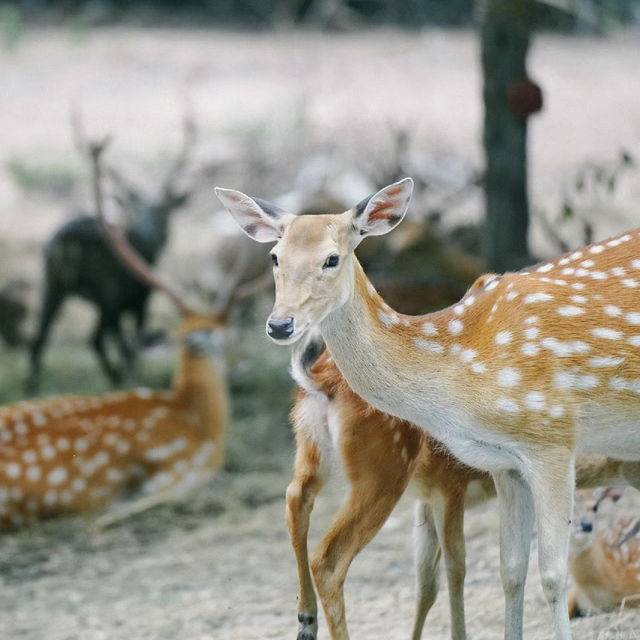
(280, 329)
(586, 525)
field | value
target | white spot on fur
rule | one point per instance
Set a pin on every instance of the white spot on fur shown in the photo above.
(478, 367)
(635, 264)
(556, 411)
(371, 289)
(579, 299)
(534, 400)
(48, 452)
(388, 319)
(634, 341)
(545, 268)
(596, 249)
(512, 295)
(607, 334)
(605, 361)
(508, 405)
(458, 309)
(587, 263)
(618, 271)
(564, 349)
(599, 275)
(429, 329)
(612, 310)
(531, 332)
(12, 469)
(57, 476)
(34, 473)
(503, 337)
(509, 377)
(569, 271)
(633, 318)
(575, 255)
(531, 320)
(455, 327)
(569, 380)
(570, 310)
(578, 285)
(530, 349)
(429, 345)
(468, 355)
(537, 297)
(29, 456)
(630, 283)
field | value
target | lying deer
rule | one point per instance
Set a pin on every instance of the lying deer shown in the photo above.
(605, 565)
(76, 453)
(530, 370)
(381, 456)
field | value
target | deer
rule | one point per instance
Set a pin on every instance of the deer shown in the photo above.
(78, 260)
(531, 369)
(604, 563)
(381, 457)
(72, 454)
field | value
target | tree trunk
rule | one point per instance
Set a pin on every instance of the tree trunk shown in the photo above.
(505, 41)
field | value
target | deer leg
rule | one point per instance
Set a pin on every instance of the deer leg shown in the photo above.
(450, 526)
(301, 493)
(104, 326)
(50, 307)
(426, 547)
(552, 484)
(516, 528)
(365, 510)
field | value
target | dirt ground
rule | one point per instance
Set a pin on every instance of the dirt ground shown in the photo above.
(219, 567)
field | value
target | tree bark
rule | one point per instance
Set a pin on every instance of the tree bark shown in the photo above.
(505, 35)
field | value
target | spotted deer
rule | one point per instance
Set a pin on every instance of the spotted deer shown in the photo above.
(381, 456)
(72, 454)
(519, 377)
(604, 562)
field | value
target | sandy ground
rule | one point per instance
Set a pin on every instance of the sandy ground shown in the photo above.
(220, 567)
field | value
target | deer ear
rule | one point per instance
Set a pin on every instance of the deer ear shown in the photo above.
(259, 219)
(381, 212)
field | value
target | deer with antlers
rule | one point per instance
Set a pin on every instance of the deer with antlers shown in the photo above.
(72, 454)
(80, 262)
(525, 373)
(604, 561)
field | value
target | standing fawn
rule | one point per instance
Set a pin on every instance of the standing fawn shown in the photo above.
(605, 565)
(381, 456)
(518, 378)
(72, 454)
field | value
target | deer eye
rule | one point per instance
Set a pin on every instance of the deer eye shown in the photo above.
(331, 261)
(274, 259)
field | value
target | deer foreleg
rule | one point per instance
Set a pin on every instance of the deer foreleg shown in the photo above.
(301, 493)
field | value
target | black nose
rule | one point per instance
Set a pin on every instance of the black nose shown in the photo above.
(280, 329)
(586, 525)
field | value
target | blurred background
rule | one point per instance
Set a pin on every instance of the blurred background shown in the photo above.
(520, 124)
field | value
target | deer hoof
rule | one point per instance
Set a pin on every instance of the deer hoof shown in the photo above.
(308, 626)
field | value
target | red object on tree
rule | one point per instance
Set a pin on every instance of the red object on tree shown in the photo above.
(525, 98)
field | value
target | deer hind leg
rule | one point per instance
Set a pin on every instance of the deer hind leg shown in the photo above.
(106, 324)
(426, 547)
(301, 493)
(516, 528)
(552, 483)
(51, 305)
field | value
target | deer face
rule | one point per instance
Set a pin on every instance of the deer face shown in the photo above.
(313, 262)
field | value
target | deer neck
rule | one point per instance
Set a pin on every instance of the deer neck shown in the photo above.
(200, 388)
(399, 364)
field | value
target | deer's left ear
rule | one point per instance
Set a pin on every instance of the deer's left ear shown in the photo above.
(259, 219)
(381, 212)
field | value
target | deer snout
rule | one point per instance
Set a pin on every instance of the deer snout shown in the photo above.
(280, 328)
(586, 525)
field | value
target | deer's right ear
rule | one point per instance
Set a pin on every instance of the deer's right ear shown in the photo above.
(259, 219)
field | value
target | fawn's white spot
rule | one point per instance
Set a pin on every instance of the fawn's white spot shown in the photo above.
(531, 320)
(531, 332)
(13, 470)
(478, 367)
(34, 473)
(570, 310)
(57, 476)
(388, 319)
(556, 411)
(455, 327)
(612, 310)
(429, 329)
(29, 456)
(570, 380)
(618, 271)
(634, 341)
(605, 361)
(579, 299)
(468, 355)
(509, 377)
(587, 263)
(429, 345)
(630, 283)
(607, 334)
(508, 405)
(597, 248)
(48, 452)
(530, 349)
(503, 337)
(564, 349)
(534, 400)
(537, 297)
(633, 317)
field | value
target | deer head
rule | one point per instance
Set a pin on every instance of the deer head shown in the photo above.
(313, 262)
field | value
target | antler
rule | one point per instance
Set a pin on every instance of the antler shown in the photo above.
(189, 138)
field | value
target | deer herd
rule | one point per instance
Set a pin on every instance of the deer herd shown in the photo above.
(527, 388)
